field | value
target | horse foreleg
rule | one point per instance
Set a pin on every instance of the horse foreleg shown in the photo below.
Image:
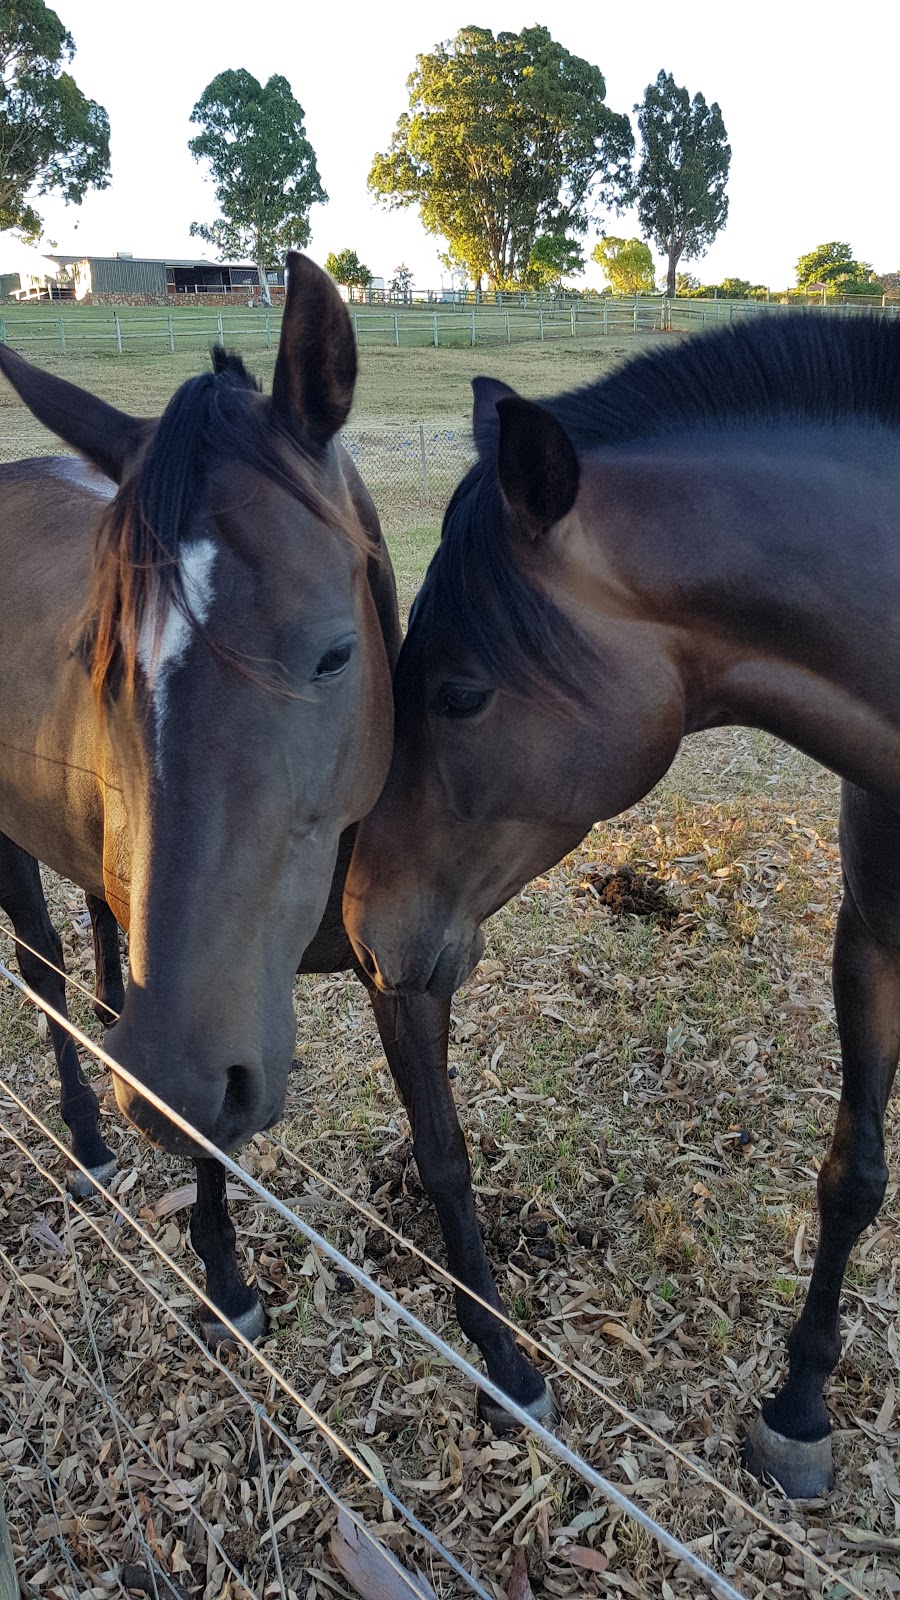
(414, 1031)
(22, 898)
(791, 1441)
(214, 1239)
(109, 990)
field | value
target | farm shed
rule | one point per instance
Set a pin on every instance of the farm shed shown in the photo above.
(159, 277)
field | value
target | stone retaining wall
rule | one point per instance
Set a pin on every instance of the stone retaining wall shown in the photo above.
(180, 302)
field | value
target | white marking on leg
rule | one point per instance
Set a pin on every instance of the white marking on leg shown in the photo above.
(164, 640)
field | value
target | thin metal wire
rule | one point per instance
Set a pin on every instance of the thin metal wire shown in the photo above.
(264, 1475)
(260, 1358)
(674, 1451)
(119, 1417)
(569, 1457)
(538, 1346)
(10, 933)
(113, 1410)
(51, 1483)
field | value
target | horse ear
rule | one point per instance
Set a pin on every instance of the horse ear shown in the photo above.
(538, 467)
(107, 437)
(315, 372)
(485, 421)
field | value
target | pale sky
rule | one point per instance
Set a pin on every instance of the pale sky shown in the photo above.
(808, 94)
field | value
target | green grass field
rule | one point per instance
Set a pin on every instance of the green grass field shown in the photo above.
(397, 389)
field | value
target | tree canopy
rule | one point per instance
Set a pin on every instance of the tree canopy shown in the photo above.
(346, 268)
(505, 139)
(554, 256)
(833, 264)
(263, 166)
(683, 171)
(627, 264)
(729, 289)
(52, 139)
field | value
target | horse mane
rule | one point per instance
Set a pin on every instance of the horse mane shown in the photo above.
(772, 368)
(136, 568)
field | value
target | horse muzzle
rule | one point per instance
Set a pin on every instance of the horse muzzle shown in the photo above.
(227, 1111)
(418, 973)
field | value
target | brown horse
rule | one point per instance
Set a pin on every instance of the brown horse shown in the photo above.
(235, 606)
(194, 706)
(710, 536)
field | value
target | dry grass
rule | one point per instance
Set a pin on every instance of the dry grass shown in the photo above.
(646, 1102)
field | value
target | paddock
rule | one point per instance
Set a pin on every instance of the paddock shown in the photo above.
(669, 981)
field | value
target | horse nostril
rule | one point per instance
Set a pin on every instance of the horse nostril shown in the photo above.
(238, 1104)
(367, 961)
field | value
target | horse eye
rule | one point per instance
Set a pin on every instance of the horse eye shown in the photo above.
(334, 661)
(459, 700)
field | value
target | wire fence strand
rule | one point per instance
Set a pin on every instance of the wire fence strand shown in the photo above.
(609, 1490)
(538, 1346)
(289, 1390)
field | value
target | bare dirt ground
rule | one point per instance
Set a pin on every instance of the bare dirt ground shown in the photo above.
(647, 1074)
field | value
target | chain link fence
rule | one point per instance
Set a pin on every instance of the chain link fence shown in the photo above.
(410, 469)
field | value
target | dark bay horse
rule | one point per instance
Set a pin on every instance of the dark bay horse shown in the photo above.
(235, 607)
(710, 536)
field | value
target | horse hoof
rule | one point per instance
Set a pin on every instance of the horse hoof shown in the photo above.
(81, 1185)
(802, 1469)
(543, 1409)
(253, 1324)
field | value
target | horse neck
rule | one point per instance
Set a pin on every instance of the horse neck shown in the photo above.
(771, 540)
(763, 563)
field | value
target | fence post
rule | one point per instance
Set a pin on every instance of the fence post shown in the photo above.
(356, 327)
(635, 314)
(3, 338)
(171, 335)
(424, 456)
(507, 328)
(473, 329)
(268, 330)
(435, 330)
(396, 329)
(62, 336)
(221, 330)
(541, 321)
(606, 316)
(118, 331)
(573, 322)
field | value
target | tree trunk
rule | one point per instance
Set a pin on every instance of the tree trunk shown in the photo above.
(674, 258)
(264, 294)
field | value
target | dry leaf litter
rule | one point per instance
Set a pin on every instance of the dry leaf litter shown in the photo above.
(647, 1069)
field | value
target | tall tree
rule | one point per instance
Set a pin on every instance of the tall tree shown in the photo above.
(834, 265)
(554, 256)
(627, 264)
(52, 139)
(506, 138)
(683, 171)
(346, 268)
(263, 166)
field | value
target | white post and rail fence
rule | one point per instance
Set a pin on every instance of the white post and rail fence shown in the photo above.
(146, 331)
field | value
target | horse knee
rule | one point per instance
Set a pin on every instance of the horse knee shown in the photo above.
(851, 1190)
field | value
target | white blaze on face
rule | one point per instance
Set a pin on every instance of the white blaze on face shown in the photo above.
(164, 640)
